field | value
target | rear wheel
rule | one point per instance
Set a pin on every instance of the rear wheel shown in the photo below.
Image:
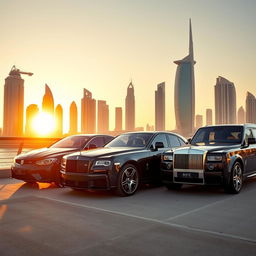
(235, 183)
(128, 180)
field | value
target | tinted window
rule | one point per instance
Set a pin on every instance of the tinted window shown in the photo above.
(174, 141)
(71, 142)
(97, 141)
(160, 138)
(182, 142)
(130, 140)
(218, 135)
(108, 139)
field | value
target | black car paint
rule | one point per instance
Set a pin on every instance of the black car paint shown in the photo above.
(146, 159)
(219, 173)
(30, 172)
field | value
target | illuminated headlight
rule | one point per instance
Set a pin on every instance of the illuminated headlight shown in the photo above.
(168, 157)
(214, 158)
(102, 163)
(47, 161)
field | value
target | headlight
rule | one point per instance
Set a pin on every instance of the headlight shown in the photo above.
(168, 157)
(102, 163)
(214, 158)
(47, 161)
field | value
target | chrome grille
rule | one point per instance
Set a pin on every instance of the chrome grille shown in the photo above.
(188, 161)
(77, 165)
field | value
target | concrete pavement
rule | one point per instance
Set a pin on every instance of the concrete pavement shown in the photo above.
(45, 220)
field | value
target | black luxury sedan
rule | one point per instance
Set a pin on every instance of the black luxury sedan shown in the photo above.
(217, 155)
(43, 164)
(122, 164)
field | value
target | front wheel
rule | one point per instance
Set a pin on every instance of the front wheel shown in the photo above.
(235, 183)
(128, 180)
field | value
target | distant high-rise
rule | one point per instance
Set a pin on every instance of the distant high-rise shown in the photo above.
(103, 116)
(13, 104)
(199, 121)
(208, 116)
(73, 118)
(241, 115)
(184, 91)
(130, 108)
(250, 108)
(225, 101)
(88, 113)
(48, 101)
(119, 118)
(59, 120)
(31, 112)
(160, 107)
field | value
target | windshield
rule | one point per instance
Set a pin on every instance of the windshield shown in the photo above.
(72, 142)
(137, 140)
(218, 136)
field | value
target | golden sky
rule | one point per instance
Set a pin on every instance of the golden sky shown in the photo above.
(101, 45)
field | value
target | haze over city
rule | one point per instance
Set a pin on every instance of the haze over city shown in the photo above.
(103, 45)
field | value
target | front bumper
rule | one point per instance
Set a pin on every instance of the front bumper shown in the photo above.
(86, 180)
(31, 172)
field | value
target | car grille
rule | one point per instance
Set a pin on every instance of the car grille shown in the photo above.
(77, 166)
(188, 161)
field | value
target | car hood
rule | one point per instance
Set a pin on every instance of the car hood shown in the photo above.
(46, 152)
(202, 149)
(107, 152)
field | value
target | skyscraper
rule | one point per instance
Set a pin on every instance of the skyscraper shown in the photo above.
(199, 121)
(184, 91)
(88, 113)
(59, 120)
(103, 116)
(241, 115)
(13, 104)
(48, 101)
(73, 118)
(130, 108)
(160, 107)
(31, 112)
(225, 101)
(208, 116)
(250, 108)
(119, 119)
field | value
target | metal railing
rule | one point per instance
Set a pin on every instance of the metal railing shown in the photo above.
(13, 146)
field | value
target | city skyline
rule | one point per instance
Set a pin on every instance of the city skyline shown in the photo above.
(125, 53)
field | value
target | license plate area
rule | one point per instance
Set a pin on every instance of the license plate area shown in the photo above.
(189, 175)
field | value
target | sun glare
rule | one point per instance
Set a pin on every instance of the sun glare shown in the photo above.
(43, 124)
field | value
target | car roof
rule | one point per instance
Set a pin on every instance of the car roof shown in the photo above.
(223, 125)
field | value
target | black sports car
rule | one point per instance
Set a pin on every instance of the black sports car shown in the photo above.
(218, 155)
(122, 164)
(44, 164)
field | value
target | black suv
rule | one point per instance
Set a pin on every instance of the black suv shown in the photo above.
(122, 164)
(217, 155)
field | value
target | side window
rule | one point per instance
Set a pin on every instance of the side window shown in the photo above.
(182, 143)
(97, 141)
(107, 139)
(254, 132)
(160, 138)
(174, 141)
(248, 134)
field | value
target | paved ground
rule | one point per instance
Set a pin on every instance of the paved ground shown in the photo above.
(45, 220)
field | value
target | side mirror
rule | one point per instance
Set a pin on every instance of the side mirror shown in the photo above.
(251, 141)
(159, 145)
(189, 141)
(92, 146)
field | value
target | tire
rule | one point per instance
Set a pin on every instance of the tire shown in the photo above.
(58, 179)
(128, 180)
(235, 183)
(173, 186)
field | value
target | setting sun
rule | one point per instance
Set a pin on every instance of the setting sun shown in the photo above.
(43, 124)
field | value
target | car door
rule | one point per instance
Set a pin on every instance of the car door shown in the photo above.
(250, 154)
(155, 156)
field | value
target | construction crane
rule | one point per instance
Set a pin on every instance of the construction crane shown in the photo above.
(16, 71)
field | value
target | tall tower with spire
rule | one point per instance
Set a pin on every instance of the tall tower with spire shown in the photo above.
(130, 108)
(184, 91)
